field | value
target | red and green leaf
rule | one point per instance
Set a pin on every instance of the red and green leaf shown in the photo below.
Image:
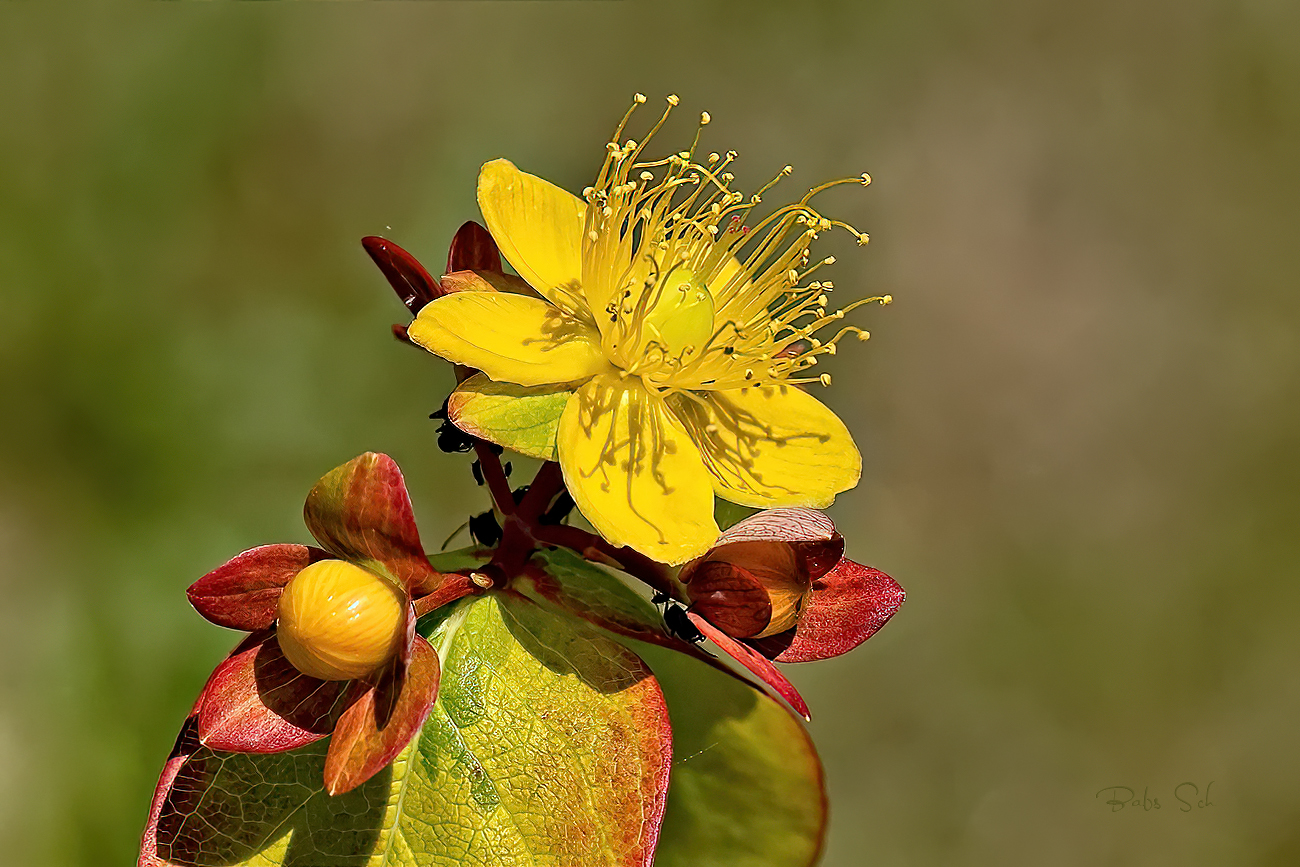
(361, 512)
(381, 722)
(747, 788)
(549, 743)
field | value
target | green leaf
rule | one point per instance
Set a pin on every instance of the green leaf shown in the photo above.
(461, 559)
(548, 745)
(584, 589)
(747, 787)
(522, 418)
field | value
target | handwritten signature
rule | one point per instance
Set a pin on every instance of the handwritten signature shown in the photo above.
(1187, 794)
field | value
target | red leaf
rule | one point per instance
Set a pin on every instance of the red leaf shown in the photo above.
(381, 722)
(472, 249)
(361, 512)
(243, 593)
(412, 283)
(845, 608)
(756, 663)
(812, 534)
(257, 702)
(186, 744)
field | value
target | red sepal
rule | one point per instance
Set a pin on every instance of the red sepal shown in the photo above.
(757, 664)
(845, 607)
(409, 279)
(257, 702)
(730, 597)
(380, 723)
(472, 249)
(244, 592)
(361, 512)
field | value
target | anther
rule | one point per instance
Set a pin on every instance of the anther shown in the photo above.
(673, 99)
(824, 379)
(704, 118)
(888, 299)
(866, 179)
(638, 98)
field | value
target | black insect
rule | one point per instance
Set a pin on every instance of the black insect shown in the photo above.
(559, 510)
(484, 528)
(451, 438)
(677, 623)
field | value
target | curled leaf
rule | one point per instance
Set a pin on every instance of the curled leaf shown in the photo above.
(361, 512)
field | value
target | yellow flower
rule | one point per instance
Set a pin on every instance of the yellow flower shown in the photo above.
(662, 363)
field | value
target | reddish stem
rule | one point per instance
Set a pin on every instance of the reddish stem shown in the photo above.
(495, 476)
(635, 564)
(454, 586)
(548, 482)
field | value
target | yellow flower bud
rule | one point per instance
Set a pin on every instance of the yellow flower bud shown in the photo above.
(338, 621)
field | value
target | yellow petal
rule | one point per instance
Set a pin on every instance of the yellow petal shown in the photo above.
(772, 446)
(538, 227)
(634, 472)
(511, 338)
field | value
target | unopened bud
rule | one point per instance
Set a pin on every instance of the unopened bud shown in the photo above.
(748, 589)
(338, 621)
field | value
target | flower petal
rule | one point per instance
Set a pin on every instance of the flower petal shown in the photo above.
(243, 593)
(771, 446)
(845, 608)
(538, 227)
(382, 721)
(257, 702)
(758, 665)
(511, 338)
(361, 512)
(634, 472)
(522, 418)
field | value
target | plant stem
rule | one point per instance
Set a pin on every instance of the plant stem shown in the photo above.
(495, 476)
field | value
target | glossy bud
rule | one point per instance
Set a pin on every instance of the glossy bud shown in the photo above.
(338, 621)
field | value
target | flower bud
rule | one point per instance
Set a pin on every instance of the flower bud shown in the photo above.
(748, 589)
(338, 621)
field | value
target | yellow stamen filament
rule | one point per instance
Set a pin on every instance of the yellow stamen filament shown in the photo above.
(649, 220)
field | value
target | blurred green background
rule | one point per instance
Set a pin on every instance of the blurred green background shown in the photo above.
(1080, 417)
